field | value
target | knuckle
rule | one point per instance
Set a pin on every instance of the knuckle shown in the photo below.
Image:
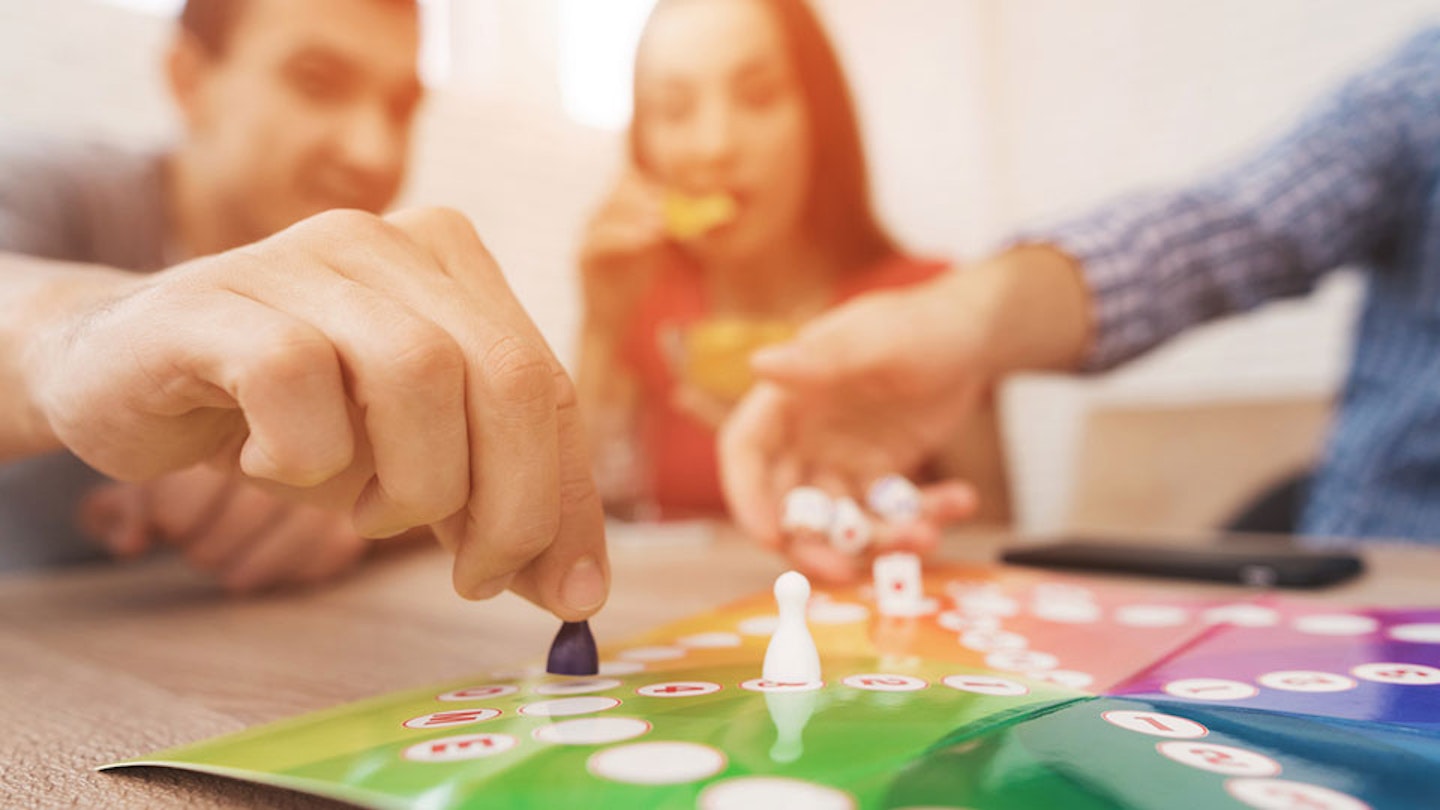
(423, 503)
(288, 354)
(517, 373)
(527, 537)
(450, 222)
(534, 536)
(566, 397)
(348, 223)
(578, 495)
(426, 357)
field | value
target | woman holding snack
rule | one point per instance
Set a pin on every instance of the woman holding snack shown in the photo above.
(743, 211)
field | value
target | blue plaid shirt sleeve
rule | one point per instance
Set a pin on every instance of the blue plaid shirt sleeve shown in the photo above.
(1320, 197)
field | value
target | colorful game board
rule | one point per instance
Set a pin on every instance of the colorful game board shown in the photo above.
(1016, 690)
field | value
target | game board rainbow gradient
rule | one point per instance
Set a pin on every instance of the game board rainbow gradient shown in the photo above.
(1021, 691)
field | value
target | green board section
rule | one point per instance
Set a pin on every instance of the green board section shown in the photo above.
(852, 739)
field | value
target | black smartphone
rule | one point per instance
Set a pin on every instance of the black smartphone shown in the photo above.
(1261, 567)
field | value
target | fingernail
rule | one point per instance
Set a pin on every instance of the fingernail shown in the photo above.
(584, 585)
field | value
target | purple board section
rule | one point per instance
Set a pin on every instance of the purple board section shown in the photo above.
(1372, 666)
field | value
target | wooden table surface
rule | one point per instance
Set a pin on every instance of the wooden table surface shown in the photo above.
(113, 662)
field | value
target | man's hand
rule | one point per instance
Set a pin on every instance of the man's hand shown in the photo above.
(247, 538)
(379, 365)
(879, 385)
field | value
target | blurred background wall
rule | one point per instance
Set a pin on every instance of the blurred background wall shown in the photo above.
(981, 115)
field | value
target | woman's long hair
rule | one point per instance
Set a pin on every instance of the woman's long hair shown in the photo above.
(838, 213)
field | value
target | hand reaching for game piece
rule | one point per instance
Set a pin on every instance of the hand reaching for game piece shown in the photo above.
(249, 539)
(380, 366)
(854, 397)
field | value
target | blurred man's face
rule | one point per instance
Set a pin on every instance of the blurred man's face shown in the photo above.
(307, 107)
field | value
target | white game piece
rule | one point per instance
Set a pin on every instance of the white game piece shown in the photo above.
(789, 711)
(897, 585)
(791, 656)
(766, 685)
(807, 508)
(849, 529)
(894, 498)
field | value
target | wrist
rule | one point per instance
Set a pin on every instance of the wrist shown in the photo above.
(39, 319)
(1038, 310)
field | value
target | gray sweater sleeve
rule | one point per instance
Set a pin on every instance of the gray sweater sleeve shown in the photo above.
(82, 203)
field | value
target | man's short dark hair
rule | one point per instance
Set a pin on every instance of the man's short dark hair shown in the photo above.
(212, 21)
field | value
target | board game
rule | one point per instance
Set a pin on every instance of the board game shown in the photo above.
(1011, 689)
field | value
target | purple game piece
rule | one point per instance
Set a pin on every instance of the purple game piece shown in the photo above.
(573, 652)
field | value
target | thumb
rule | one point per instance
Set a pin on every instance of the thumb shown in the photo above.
(833, 348)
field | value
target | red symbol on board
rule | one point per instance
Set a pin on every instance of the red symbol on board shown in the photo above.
(884, 681)
(461, 745)
(445, 718)
(1214, 757)
(675, 689)
(1300, 801)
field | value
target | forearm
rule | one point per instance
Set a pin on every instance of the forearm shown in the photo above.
(1034, 310)
(1331, 192)
(37, 295)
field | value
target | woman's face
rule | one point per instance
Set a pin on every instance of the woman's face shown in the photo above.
(719, 109)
